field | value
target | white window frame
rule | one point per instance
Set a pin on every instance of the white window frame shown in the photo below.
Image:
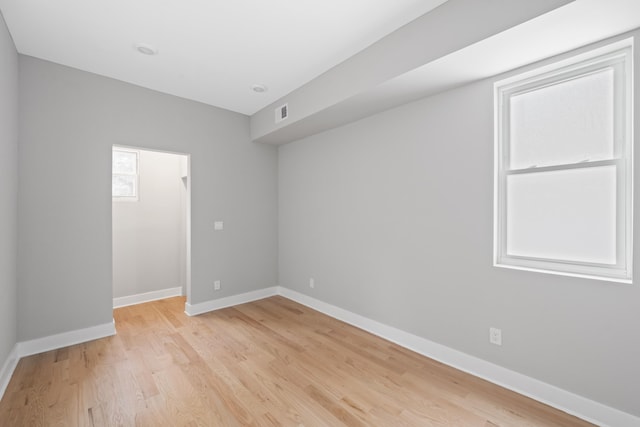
(619, 57)
(136, 176)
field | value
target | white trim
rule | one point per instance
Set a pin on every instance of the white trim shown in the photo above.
(569, 60)
(65, 339)
(618, 58)
(7, 369)
(562, 273)
(51, 342)
(563, 400)
(217, 304)
(147, 297)
(136, 175)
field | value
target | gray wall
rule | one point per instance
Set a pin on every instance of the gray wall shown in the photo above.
(69, 121)
(8, 191)
(392, 217)
(147, 233)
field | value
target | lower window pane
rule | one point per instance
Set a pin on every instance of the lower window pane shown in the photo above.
(567, 215)
(123, 186)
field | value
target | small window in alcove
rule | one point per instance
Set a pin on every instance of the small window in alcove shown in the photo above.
(124, 184)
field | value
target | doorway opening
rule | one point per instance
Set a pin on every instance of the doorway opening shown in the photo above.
(151, 225)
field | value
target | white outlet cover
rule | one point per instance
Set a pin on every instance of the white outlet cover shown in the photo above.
(495, 336)
(218, 225)
(216, 285)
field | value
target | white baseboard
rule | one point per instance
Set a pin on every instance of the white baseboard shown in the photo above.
(217, 304)
(51, 342)
(7, 369)
(65, 339)
(563, 400)
(147, 297)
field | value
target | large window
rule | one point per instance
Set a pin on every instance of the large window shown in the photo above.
(564, 169)
(124, 179)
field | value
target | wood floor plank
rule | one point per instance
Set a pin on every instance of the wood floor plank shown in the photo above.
(268, 363)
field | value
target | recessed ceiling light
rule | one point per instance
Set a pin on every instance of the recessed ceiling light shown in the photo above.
(146, 49)
(259, 88)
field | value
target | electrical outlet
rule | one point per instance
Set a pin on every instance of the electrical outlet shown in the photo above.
(495, 336)
(312, 283)
(216, 285)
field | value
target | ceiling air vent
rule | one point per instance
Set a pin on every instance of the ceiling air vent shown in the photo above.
(282, 113)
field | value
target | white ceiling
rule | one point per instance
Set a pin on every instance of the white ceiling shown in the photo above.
(576, 24)
(210, 51)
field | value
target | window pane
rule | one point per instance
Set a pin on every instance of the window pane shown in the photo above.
(566, 215)
(123, 186)
(567, 122)
(124, 162)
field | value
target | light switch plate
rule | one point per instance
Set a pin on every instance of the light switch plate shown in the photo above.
(218, 225)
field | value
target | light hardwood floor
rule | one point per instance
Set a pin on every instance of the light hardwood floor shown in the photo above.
(268, 363)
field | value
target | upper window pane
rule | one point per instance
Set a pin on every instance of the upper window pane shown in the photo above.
(566, 122)
(125, 162)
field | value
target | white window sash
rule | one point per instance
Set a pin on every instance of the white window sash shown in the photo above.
(135, 174)
(619, 58)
